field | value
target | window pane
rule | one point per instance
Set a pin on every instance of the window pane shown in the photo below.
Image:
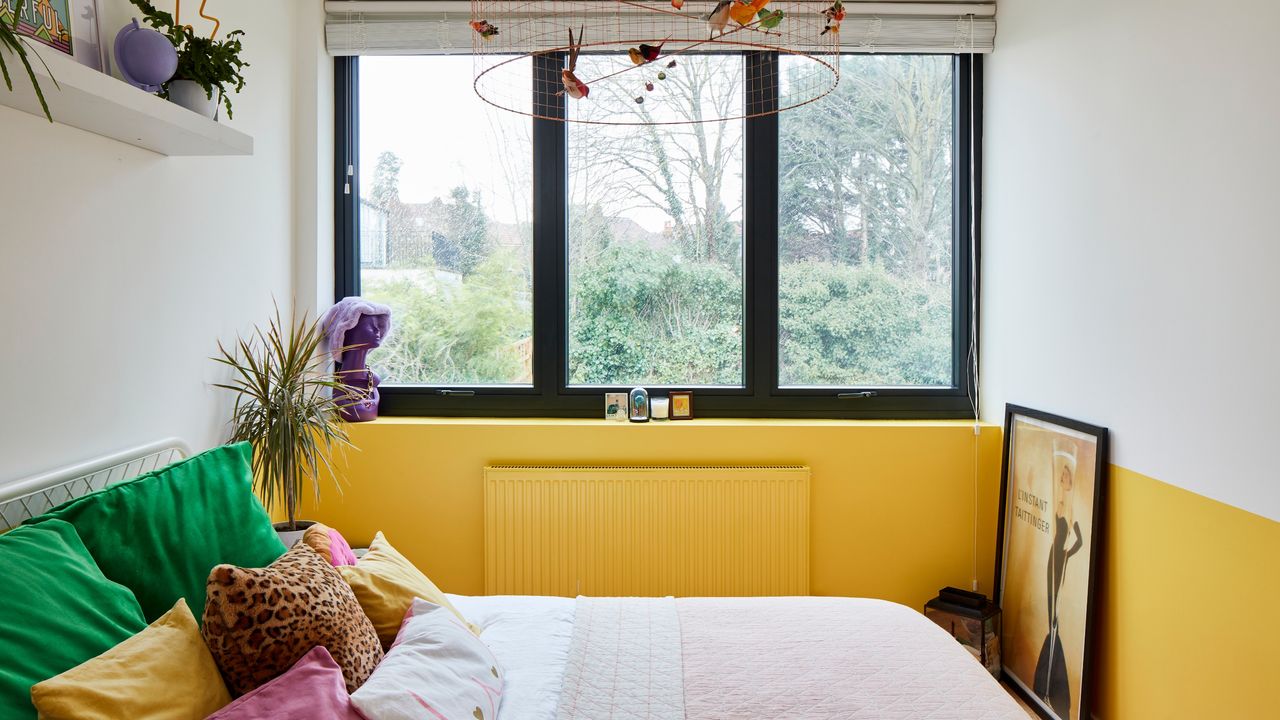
(445, 233)
(655, 230)
(865, 227)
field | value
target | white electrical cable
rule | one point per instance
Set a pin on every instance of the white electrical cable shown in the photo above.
(974, 388)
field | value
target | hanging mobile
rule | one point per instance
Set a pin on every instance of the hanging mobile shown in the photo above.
(574, 87)
(485, 28)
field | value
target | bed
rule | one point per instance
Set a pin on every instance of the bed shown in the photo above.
(703, 658)
(664, 658)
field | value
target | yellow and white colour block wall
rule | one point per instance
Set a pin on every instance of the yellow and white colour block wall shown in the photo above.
(1129, 256)
(1186, 582)
(890, 504)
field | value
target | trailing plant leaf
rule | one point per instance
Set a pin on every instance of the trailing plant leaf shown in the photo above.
(285, 409)
(18, 45)
(211, 64)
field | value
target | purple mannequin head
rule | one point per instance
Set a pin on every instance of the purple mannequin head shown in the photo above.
(353, 327)
(367, 334)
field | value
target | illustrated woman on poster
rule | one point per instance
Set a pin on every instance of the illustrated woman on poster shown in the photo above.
(1051, 670)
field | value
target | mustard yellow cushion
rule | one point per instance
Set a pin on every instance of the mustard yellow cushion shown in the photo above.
(386, 583)
(164, 672)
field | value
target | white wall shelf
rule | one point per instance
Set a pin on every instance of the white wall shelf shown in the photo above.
(101, 104)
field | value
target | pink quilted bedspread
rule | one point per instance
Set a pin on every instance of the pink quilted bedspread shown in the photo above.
(764, 658)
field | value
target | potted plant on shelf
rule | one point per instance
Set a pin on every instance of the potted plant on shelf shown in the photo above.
(285, 409)
(205, 66)
(12, 42)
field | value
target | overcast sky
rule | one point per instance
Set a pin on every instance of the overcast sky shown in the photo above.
(425, 109)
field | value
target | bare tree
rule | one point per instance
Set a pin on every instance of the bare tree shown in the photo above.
(682, 171)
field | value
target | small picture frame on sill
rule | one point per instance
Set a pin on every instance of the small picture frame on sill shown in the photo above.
(615, 407)
(681, 404)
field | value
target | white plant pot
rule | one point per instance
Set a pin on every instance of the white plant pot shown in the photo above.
(191, 96)
(289, 537)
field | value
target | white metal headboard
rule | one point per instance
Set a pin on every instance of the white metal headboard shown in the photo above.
(32, 496)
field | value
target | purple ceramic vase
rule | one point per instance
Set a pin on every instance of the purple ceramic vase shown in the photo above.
(145, 58)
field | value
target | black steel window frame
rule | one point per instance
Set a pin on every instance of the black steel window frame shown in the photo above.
(551, 395)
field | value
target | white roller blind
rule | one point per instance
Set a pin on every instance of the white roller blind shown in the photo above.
(405, 27)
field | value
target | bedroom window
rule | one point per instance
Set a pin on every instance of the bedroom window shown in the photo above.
(655, 237)
(813, 263)
(865, 228)
(446, 235)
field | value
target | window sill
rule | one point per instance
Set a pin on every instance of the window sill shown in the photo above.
(405, 420)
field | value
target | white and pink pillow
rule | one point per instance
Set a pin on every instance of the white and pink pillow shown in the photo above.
(437, 669)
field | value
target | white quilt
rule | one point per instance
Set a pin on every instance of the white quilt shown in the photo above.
(738, 658)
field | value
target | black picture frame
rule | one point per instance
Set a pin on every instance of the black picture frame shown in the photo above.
(1052, 575)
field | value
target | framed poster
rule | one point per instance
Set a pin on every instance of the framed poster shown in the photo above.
(86, 35)
(1052, 485)
(45, 21)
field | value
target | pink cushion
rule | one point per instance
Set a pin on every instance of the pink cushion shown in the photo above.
(340, 549)
(330, 544)
(312, 688)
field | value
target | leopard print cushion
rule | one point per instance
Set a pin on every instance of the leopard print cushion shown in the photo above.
(259, 621)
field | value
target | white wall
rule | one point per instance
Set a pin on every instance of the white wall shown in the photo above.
(122, 269)
(313, 163)
(1131, 241)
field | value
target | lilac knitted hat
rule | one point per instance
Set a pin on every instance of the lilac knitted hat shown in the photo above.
(345, 315)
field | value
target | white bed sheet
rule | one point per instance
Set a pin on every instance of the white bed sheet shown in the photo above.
(530, 637)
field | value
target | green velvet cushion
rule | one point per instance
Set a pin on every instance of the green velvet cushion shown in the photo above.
(160, 534)
(57, 610)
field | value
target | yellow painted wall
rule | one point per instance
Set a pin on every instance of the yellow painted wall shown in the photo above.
(1188, 624)
(1187, 586)
(892, 502)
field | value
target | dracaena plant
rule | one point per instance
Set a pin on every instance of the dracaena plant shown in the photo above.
(19, 47)
(211, 64)
(285, 409)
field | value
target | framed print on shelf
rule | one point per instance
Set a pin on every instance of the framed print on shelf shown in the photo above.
(681, 404)
(1052, 485)
(45, 21)
(86, 35)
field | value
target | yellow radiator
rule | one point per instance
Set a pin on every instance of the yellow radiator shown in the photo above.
(638, 531)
